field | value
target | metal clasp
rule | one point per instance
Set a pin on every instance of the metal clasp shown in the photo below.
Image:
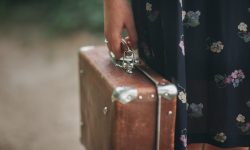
(128, 60)
(130, 57)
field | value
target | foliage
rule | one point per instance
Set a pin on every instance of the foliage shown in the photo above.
(58, 15)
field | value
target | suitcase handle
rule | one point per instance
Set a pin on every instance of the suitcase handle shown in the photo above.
(129, 60)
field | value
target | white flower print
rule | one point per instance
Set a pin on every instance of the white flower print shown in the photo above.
(214, 45)
(181, 45)
(243, 33)
(192, 18)
(180, 2)
(148, 6)
(242, 124)
(183, 14)
(220, 137)
(242, 27)
(217, 47)
(240, 118)
(152, 14)
(182, 96)
(196, 110)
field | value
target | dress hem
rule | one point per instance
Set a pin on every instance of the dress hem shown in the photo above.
(237, 141)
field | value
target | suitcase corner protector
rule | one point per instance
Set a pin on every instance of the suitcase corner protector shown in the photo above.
(86, 48)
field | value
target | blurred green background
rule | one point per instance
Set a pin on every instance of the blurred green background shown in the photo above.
(58, 15)
(39, 92)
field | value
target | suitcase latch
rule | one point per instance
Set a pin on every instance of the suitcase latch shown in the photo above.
(129, 60)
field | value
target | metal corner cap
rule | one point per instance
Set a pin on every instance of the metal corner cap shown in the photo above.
(87, 48)
(124, 94)
(168, 91)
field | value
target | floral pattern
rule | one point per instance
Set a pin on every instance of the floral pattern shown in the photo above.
(196, 110)
(148, 6)
(191, 18)
(183, 138)
(240, 118)
(243, 32)
(183, 15)
(234, 78)
(242, 124)
(214, 46)
(181, 45)
(182, 96)
(152, 14)
(220, 137)
(209, 66)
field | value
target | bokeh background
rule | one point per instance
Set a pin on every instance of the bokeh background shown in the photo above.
(39, 88)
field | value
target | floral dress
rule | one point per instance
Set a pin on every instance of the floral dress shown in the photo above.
(202, 46)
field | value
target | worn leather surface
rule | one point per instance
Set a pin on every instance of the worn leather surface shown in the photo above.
(129, 126)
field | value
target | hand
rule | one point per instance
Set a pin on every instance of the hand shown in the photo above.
(118, 16)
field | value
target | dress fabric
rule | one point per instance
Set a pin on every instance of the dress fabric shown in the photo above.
(202, 46)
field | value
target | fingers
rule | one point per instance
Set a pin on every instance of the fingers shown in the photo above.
(114, 43)
(117, 16)
(132, 34)
(113, 31)
(128, 41)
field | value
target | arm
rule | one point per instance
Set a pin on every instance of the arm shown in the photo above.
(118, 15)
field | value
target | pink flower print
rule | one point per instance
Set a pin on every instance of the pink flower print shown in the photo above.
(234, 74)
(241, 74)
(248, 125)
(245, 128)
(228, 80)
(183, 138)
(237, 77)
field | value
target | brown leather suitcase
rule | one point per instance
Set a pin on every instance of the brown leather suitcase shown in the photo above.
(124, 111)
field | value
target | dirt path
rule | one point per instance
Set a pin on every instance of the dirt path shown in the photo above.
(39, 102)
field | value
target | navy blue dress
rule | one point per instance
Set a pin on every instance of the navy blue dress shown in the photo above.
(203, 46)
